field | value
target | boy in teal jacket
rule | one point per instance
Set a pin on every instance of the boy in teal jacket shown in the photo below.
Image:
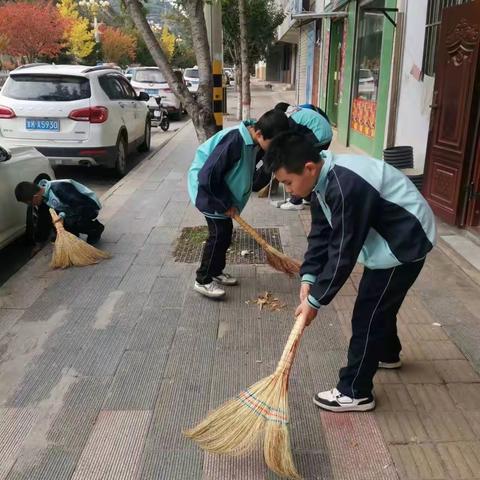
(219, 184)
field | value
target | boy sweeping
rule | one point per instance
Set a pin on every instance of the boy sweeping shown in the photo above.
(76, 204)
(219, 184)
(315, 125)
(367, 211)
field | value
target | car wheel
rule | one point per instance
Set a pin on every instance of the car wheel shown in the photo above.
(38, 224)
(145, 146)
(165, 124)
(121, 157)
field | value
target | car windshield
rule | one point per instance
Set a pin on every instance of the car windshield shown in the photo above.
(148, 76)
(47, 88)
(191, 72)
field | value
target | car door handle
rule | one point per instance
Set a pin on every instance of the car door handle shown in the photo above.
(121, 104)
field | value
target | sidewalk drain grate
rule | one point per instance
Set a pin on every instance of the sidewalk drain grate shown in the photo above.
(189, 246)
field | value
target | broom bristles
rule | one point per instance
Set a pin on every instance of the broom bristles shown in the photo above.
(236, 427)
(282, 263)
(70, 250)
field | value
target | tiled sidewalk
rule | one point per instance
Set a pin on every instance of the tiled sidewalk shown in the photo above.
(102, 367)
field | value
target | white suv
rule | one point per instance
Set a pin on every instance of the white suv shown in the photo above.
(74, 114)
(152, 81)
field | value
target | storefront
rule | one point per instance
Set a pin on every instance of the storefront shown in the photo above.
(360, 60)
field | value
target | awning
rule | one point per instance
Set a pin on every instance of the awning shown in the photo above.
(315, 16)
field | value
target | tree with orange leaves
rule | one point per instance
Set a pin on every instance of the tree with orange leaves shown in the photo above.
(118, 47)
(32, 30)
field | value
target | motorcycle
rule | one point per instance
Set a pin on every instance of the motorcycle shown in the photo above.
(159, 115)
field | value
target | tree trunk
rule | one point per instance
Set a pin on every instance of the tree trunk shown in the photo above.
(200, 110)
(238, 86)
(245, 63)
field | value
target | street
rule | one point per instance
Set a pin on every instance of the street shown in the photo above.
(15, 255)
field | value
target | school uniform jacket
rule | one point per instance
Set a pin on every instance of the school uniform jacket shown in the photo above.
(364, 210)
(70, 199)
(310, 123)
(221, 174)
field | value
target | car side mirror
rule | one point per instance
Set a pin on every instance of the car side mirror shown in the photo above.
(143, 96)
(4, 155)
(189, 84)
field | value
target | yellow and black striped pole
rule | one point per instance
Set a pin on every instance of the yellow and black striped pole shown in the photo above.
(213, 20)
(217, 68)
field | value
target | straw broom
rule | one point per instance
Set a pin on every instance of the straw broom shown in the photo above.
(278, 260)
(70, 250)
(256, 414)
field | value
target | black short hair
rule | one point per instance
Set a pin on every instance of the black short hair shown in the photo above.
(290, 150)
(272, 123)
(25, 191)
(282, 106)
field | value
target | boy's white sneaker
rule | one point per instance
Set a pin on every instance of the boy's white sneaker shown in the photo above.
(335, 401)
(291, 206)
(226, 279)
(210, 290)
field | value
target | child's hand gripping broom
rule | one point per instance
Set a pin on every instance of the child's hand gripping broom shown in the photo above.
(278, 260)
(259, 412)
(70, 250)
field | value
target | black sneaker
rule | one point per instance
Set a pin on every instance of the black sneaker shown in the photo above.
(335, 401)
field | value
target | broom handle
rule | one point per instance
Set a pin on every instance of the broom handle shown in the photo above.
(56, 220)
(253, 233)
(293, 341)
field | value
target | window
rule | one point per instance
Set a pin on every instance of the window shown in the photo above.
(432, 30)
(151, 75)
(47, 88)
(129, 91)
(112, 87)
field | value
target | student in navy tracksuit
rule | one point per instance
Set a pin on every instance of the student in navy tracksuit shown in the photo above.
(315, 125)
(76, 204)
(367, 211)
(219, 184)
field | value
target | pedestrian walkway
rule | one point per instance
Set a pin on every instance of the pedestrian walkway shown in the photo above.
(101, 368)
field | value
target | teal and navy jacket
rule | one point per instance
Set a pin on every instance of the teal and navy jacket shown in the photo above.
(221, 174)
(70, 199)
(310, 123)
(363, 210)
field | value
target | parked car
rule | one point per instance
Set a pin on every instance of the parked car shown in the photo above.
(129, 73)
(75, 115)
(152, 81)
(190, 75)
(18, 164)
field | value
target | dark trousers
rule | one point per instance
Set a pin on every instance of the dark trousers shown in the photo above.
(86, 224)
(215, 250)
(374, 326)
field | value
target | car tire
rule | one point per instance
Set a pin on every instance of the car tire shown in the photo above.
(121, 157)
(145, 146)
(38, 224)
(165, 123)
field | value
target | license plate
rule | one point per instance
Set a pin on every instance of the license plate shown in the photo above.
(52, 125)
(151, 91)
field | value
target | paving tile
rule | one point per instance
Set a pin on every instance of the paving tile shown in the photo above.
(114, 448)
(452, 371)
(441, 350)
(462, 459)
(429, 397)
(139, 278)
(54, 463)
(162, 236)
(426, 332)
(15, 425)
(445, 427)
(418, 462)
(419, 372)
(356, 447)
(251, 466)
(466, 396)
(136, 381)
(401, 427)
(393, 398)
(473, 418)
(170, 464)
